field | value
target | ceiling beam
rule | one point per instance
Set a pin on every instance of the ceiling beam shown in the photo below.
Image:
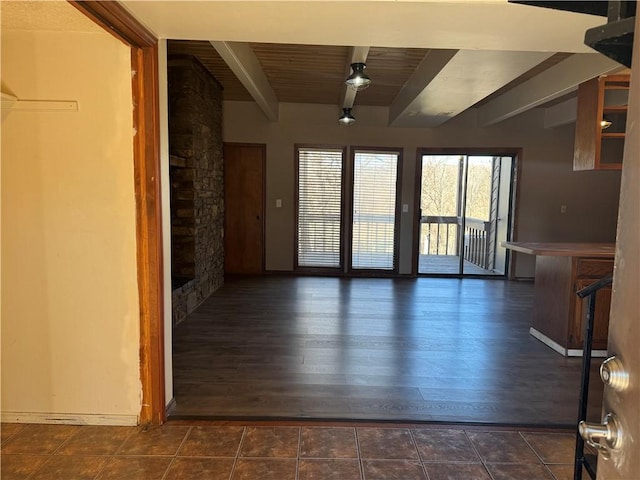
(561, 114)
(465, 79)
(554, 82)
(358, 55)
(430, 66)
(245, 65)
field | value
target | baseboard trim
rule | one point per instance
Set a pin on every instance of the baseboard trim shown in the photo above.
(594, 353)
(69, 418)
(567, 352)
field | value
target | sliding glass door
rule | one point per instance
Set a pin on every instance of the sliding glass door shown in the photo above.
(465, 203)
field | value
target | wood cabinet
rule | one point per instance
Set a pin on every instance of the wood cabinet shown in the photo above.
(603, 305)
(559, 314)
(600, 146)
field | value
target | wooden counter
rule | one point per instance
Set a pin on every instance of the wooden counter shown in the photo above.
(561, 270)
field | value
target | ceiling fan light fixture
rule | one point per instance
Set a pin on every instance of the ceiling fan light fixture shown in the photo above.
(346, 118)
(358, 80)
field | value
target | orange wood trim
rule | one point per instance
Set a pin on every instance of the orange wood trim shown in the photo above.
(115, 19)
(149, 233)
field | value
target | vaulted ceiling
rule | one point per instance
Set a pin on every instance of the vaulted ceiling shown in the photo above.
(429, 60)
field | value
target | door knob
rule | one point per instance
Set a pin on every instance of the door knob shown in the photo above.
(614, 375)
(603, 437)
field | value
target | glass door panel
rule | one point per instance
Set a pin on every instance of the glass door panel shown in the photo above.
(476, 219)
(319, 208)
(465, 203)
(374, 208)
(502, 217)
(440, 214)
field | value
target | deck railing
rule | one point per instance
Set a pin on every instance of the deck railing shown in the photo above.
(439, 236)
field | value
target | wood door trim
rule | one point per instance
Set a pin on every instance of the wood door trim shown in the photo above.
(116, 20)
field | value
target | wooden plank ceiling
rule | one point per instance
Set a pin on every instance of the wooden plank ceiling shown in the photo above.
(304, 73)
(310, 73)
(316, 73)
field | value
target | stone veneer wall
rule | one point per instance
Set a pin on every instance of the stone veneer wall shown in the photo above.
(195, 136)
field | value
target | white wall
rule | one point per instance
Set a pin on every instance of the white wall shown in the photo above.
(70, 312)
(166, 217)
(547, 180)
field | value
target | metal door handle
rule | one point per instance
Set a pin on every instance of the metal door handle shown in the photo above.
(603, 437)
(614, 375)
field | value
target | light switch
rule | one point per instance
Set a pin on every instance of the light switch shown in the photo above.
(278, 203)
(405, 207)
(563, 209)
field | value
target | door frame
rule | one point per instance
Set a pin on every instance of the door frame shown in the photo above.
(516, 153)
(263, 210)
(348, 215)
(296, 199)
(117, 21)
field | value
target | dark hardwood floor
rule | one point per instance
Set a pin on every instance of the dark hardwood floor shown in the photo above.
(426, 349)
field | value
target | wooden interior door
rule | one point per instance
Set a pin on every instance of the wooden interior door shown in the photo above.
(244, 175)
(624, 327)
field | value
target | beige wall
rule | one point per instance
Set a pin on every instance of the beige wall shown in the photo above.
(547, 180)
(70, 312)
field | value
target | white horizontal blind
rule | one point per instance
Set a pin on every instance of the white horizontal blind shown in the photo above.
(319, 207)
(374, 210)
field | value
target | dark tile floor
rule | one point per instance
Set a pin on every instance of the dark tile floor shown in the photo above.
(283, 452)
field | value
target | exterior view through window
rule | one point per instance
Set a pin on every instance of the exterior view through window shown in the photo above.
(465, 203)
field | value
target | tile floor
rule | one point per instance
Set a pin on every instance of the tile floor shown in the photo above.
(282, 452)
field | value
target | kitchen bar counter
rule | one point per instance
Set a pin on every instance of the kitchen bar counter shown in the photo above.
(599, 250)
(561, 270)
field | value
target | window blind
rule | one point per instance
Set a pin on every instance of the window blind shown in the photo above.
(374, 210)
(319, 207)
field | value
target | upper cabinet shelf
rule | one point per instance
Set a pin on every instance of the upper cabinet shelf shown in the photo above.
(601, 123)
